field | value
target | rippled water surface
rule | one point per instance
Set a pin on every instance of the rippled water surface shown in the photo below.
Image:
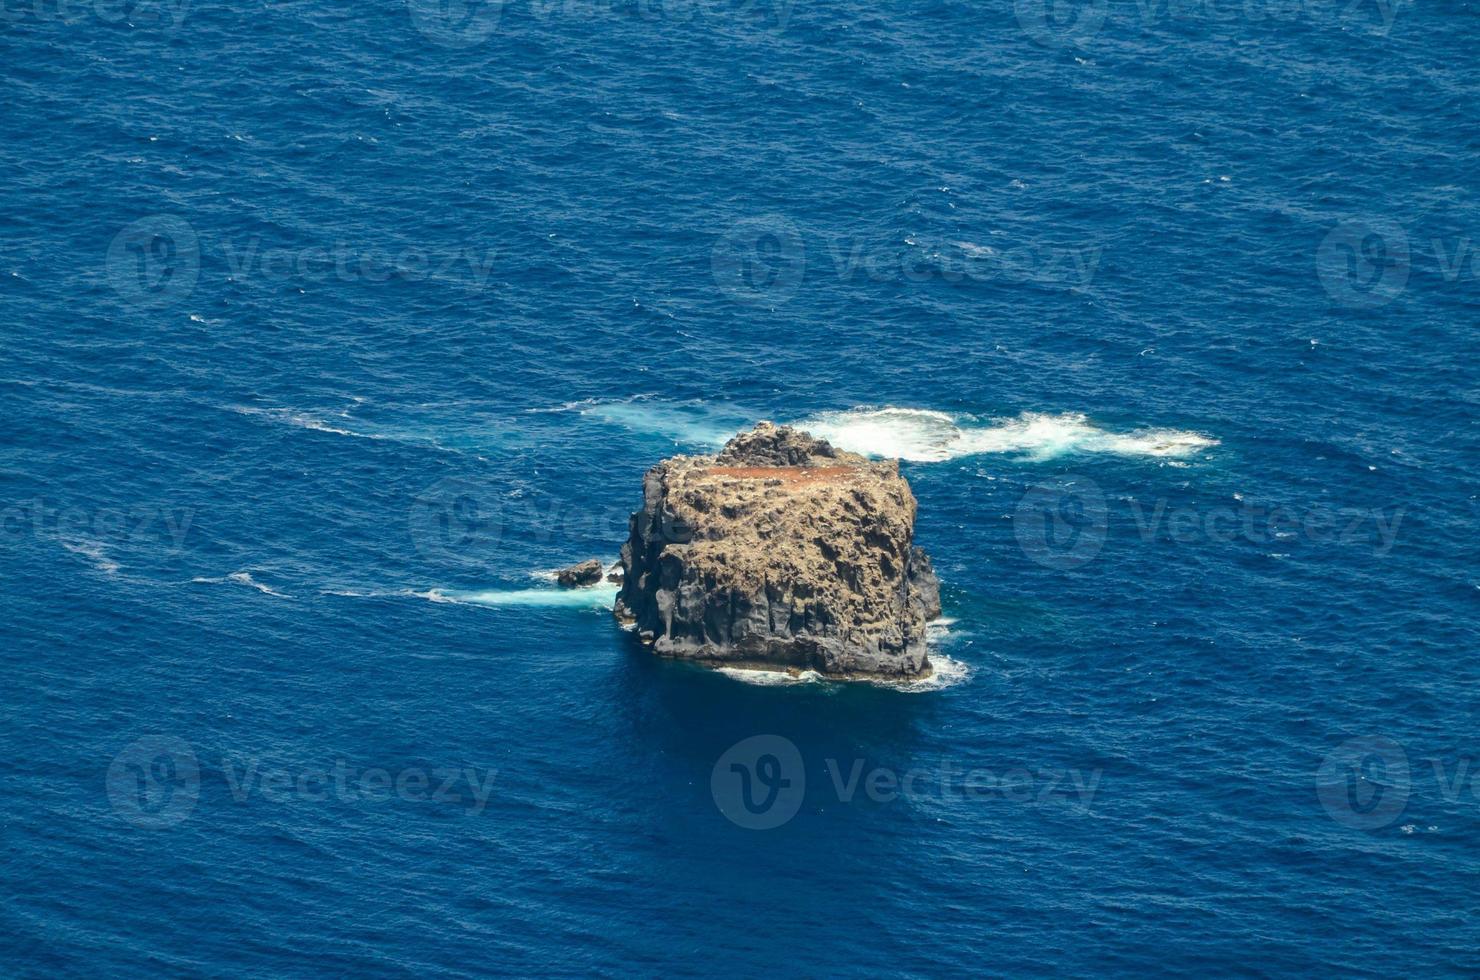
(332, 329)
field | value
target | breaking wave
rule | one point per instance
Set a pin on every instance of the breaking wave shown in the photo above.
(303, 420)
(947, 673)
(94, 553)
(919, 435)
(241, 578)
(769, 678)
(686, 423)
(926, 436)
(448, 436)
(591, 597)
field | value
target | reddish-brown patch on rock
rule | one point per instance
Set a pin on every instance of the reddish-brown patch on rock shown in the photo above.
(780, 551)
(786, 474)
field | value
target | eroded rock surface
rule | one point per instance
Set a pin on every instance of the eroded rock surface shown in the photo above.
(586, 573)
(781, 551)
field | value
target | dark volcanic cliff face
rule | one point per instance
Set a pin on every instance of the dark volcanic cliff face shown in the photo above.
(780, 552)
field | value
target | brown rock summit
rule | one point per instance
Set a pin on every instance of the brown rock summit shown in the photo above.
(585, 573)
(780, 551)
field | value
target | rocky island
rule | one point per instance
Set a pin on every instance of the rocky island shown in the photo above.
(780, 552)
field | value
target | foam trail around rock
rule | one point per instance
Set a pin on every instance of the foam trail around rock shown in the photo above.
(946, 672)
(920, 435)
(927, 436)
(592, 597)
(685, 423)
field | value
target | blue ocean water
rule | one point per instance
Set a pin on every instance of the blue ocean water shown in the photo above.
(331, 329)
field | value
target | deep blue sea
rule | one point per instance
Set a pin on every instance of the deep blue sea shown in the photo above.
(331, 329)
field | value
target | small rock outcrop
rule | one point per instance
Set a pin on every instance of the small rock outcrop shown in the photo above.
(586, 573)
(780, 552)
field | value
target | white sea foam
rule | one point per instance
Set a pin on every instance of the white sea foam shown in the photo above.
(303, 420)
(947, 673)
(938, 631)
(430, 595)
(917, 434)
(591, 597)
(686, 423)
(344, 423)
(93, 552)
(552, 575)
(769, 678)
(923, 435)
(241, 578)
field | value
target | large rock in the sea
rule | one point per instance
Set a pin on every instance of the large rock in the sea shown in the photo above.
(586, 573)
(780, 552)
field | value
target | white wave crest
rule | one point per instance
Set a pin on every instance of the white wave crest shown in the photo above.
(94, 553)
(923, 435)
(591, 597)
(685, 423)
(444, 439)
(302, 420)
(917, 434)
(769, 678)
(946, 673)
(241, 578)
